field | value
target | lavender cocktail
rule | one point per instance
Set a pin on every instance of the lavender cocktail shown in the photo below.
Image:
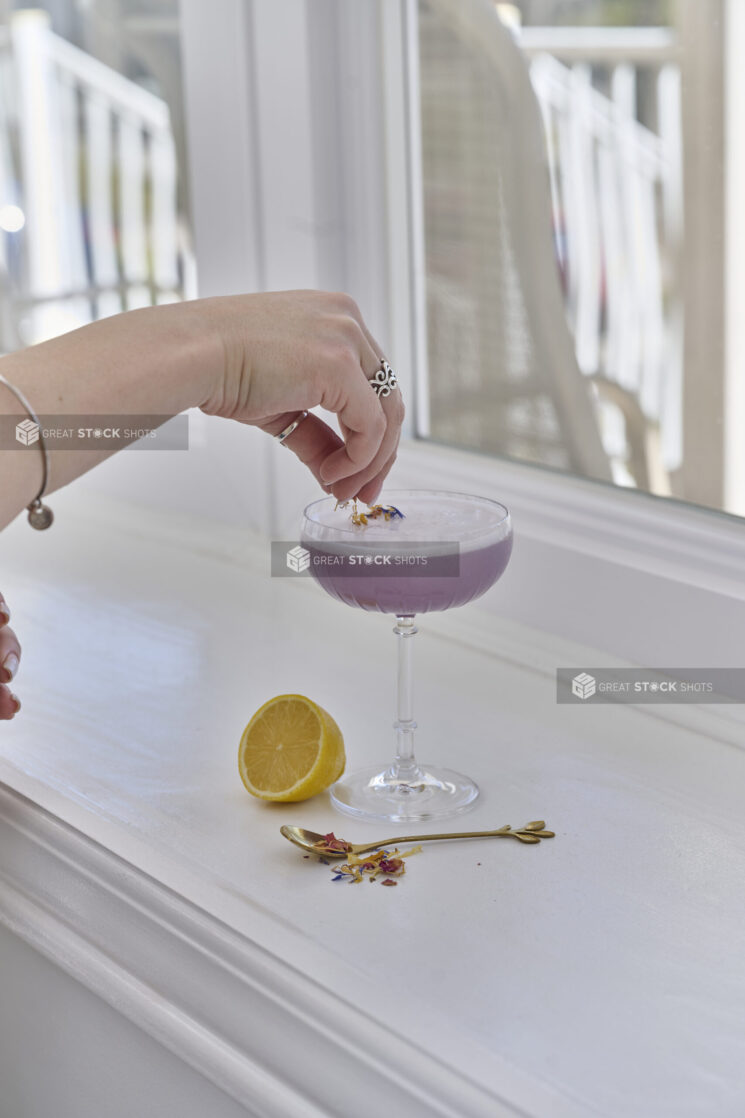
(445, 550)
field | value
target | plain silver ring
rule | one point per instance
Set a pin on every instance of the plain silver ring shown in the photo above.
(291, 427)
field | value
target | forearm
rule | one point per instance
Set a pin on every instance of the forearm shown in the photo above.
(156, 362)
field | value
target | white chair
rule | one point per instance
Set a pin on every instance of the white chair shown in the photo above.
(491, 263)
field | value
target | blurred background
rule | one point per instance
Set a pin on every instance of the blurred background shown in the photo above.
(583, 316)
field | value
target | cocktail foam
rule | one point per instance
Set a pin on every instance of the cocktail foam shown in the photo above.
(429, 517)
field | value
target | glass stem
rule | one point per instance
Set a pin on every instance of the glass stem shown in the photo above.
(405, 769)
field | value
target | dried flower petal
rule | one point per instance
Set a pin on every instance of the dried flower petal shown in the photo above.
(370, 865)
(330, 844)
(374, 512)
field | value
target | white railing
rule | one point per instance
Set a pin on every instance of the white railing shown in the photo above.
(617, 196)
(96, 180)
(610, 46)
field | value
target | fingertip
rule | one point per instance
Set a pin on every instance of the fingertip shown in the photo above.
(342, 492)
(10, 704)
(369, 493)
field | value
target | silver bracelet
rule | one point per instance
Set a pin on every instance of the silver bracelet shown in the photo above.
(39, 516)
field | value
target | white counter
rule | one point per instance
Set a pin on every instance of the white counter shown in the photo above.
(600, 973)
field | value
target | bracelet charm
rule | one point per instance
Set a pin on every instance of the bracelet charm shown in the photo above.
(39, 516)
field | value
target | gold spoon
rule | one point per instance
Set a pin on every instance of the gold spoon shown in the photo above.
(312, 842)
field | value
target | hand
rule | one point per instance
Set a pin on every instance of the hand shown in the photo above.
(285, 352)
(10, 653)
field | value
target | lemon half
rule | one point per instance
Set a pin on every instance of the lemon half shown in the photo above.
(291, 750)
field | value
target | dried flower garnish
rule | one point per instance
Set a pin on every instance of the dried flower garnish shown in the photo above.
(389, 863)
(380, 865)
(374, 512)
(330, 844)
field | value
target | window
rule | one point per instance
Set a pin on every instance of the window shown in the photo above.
(93, 202)
(636, 106)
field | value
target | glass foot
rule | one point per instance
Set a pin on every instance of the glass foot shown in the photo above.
(373, 793)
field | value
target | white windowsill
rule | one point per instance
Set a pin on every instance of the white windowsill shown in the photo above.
(148, 642)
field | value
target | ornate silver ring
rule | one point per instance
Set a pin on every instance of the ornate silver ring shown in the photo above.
(384, 381)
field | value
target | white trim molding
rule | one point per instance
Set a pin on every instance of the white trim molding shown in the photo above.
(700, 547)
(252, 1024)
(734, 264)
(650, 580)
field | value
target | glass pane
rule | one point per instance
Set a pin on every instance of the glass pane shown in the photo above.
(93, 206)
(574, 184)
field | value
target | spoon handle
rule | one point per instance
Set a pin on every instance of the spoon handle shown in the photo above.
(506, 830)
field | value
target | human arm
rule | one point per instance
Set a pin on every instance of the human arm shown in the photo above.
(259, 359)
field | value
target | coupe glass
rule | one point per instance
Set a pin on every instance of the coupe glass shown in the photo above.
(446, 550)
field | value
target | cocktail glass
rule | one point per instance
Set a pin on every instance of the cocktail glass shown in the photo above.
(446, 551)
